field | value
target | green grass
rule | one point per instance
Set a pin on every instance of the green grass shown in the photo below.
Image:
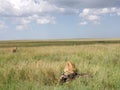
(38, 68)
(36, 43)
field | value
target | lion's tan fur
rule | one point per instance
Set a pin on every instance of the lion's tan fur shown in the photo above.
(14, 49)
(69, 68)
(69, 72)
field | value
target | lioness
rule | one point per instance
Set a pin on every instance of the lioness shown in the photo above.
(69, 68)
(69, 72)
(14, 49)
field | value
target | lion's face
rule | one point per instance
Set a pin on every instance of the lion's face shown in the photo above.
(63, 78)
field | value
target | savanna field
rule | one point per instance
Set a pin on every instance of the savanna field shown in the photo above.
(37, 66)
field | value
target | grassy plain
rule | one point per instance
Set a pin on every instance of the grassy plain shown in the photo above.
(38, 65)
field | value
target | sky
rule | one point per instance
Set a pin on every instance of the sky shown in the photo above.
(59, 19)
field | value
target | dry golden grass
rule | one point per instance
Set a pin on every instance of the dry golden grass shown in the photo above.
(40, 67)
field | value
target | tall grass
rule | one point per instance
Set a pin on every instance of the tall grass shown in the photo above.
(38, 68)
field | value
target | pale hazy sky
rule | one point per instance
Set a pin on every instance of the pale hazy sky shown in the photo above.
(59, 19)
